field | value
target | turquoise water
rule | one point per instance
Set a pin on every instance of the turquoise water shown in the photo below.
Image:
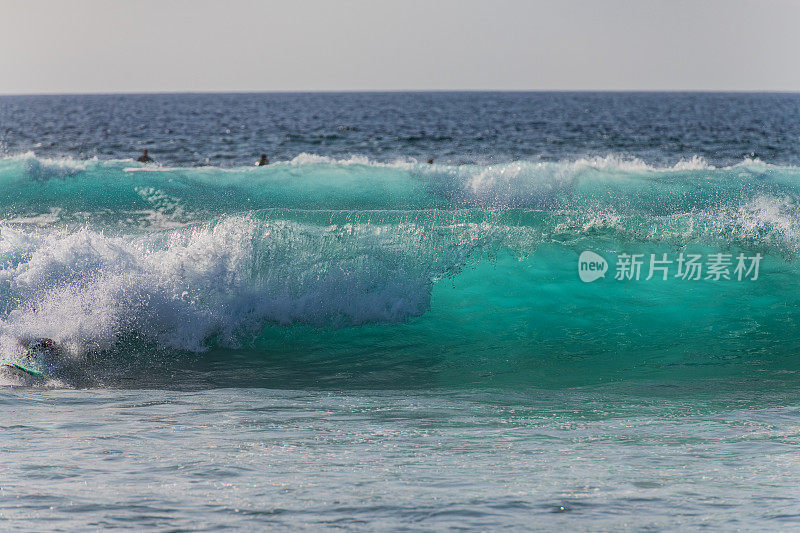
(353, 338)
(316, 271)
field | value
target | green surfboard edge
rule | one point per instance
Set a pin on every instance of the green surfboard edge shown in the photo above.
(30, 371)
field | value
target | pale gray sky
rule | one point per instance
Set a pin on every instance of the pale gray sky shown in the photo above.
(52, 46)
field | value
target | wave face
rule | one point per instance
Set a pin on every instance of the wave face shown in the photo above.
(354, 271)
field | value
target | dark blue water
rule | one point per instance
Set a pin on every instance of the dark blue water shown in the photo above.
(232, 129)
(353, 338)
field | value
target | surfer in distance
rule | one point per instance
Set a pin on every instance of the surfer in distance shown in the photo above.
(263, 161)
(144, 158)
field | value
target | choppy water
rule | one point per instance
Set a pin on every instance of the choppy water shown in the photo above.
(351, 337)
(434, 459)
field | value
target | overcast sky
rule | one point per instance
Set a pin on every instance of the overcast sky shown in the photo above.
(52, 46)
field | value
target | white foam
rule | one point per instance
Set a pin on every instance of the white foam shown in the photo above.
(306, 158)
(609, 162)
(770, 218)
(614, 162)
(44, 167)
(52, 216)
(85, 289)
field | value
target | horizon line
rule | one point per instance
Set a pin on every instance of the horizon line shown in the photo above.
(404, 91)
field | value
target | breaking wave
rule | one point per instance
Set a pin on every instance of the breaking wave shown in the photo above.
(468, 270)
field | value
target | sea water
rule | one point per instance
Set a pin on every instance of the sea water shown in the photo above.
(354, 338)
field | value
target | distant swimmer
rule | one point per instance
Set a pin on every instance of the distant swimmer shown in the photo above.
(430, 161)
(144, 158)
(263, 161)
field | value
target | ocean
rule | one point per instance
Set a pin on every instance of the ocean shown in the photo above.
(579, 316)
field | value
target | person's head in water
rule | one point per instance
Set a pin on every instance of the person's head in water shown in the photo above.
(430, 161)
(144, 158)
(263, 161)
(44, 348)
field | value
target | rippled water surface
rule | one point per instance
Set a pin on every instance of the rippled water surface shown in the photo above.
(354, 338)
(251, 458)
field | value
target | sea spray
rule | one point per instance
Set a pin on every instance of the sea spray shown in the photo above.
(473, 263)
